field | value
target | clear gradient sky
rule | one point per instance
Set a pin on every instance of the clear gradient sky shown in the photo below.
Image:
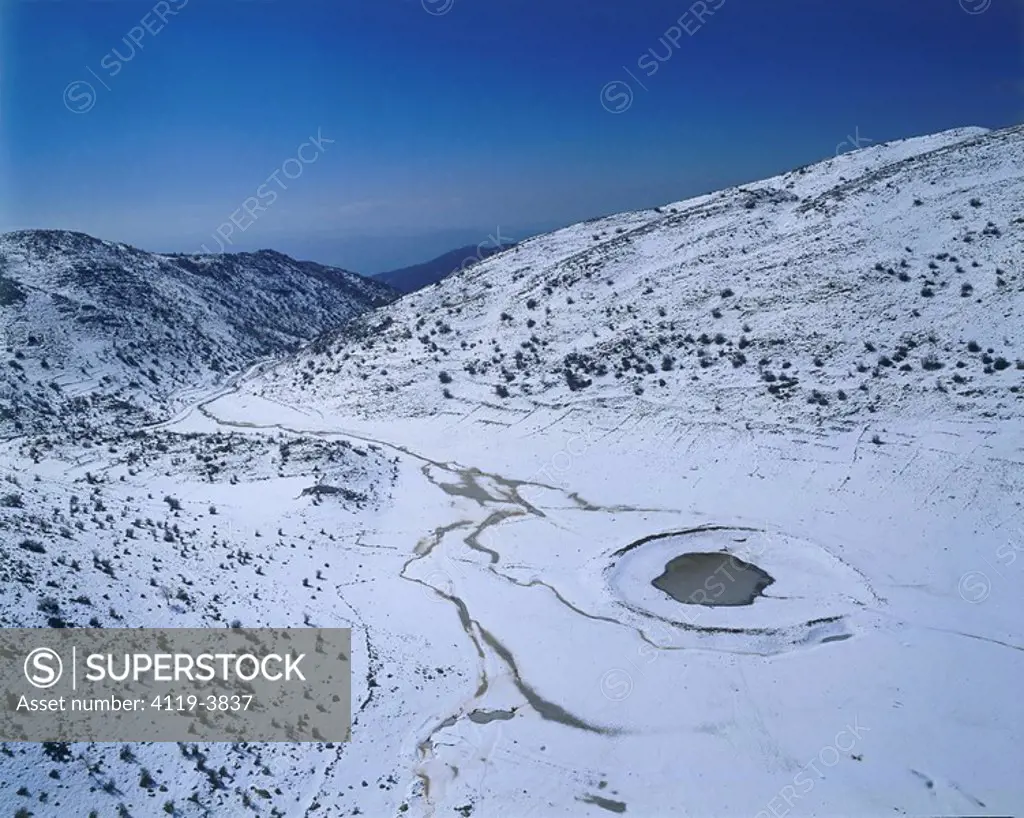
(452, 118)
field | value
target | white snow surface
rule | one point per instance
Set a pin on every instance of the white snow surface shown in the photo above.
(494, 554)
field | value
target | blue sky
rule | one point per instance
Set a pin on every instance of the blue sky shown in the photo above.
(445, 126)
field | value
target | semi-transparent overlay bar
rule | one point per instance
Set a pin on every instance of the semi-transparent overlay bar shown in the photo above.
(175, 684)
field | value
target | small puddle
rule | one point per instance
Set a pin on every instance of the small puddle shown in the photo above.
(604, 803)
(487, 716)
(712, 579)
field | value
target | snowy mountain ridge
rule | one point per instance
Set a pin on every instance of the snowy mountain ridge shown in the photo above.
(92, 325)
(885, 280)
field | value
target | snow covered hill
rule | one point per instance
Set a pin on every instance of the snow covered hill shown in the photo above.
(886, 280)
(92, 325)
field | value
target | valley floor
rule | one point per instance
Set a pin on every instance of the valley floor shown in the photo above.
(512, 658)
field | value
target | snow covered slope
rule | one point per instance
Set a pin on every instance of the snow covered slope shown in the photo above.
(886, 280)
(90, 324)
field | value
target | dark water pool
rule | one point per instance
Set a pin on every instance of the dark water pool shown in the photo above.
(712, 579)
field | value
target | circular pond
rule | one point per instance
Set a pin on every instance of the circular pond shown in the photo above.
(736, 588)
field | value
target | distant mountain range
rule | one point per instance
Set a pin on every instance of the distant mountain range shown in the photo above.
(418, 276)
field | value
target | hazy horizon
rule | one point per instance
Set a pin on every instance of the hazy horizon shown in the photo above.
(378, 137)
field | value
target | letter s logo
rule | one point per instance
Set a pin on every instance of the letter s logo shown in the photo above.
(43, 667)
